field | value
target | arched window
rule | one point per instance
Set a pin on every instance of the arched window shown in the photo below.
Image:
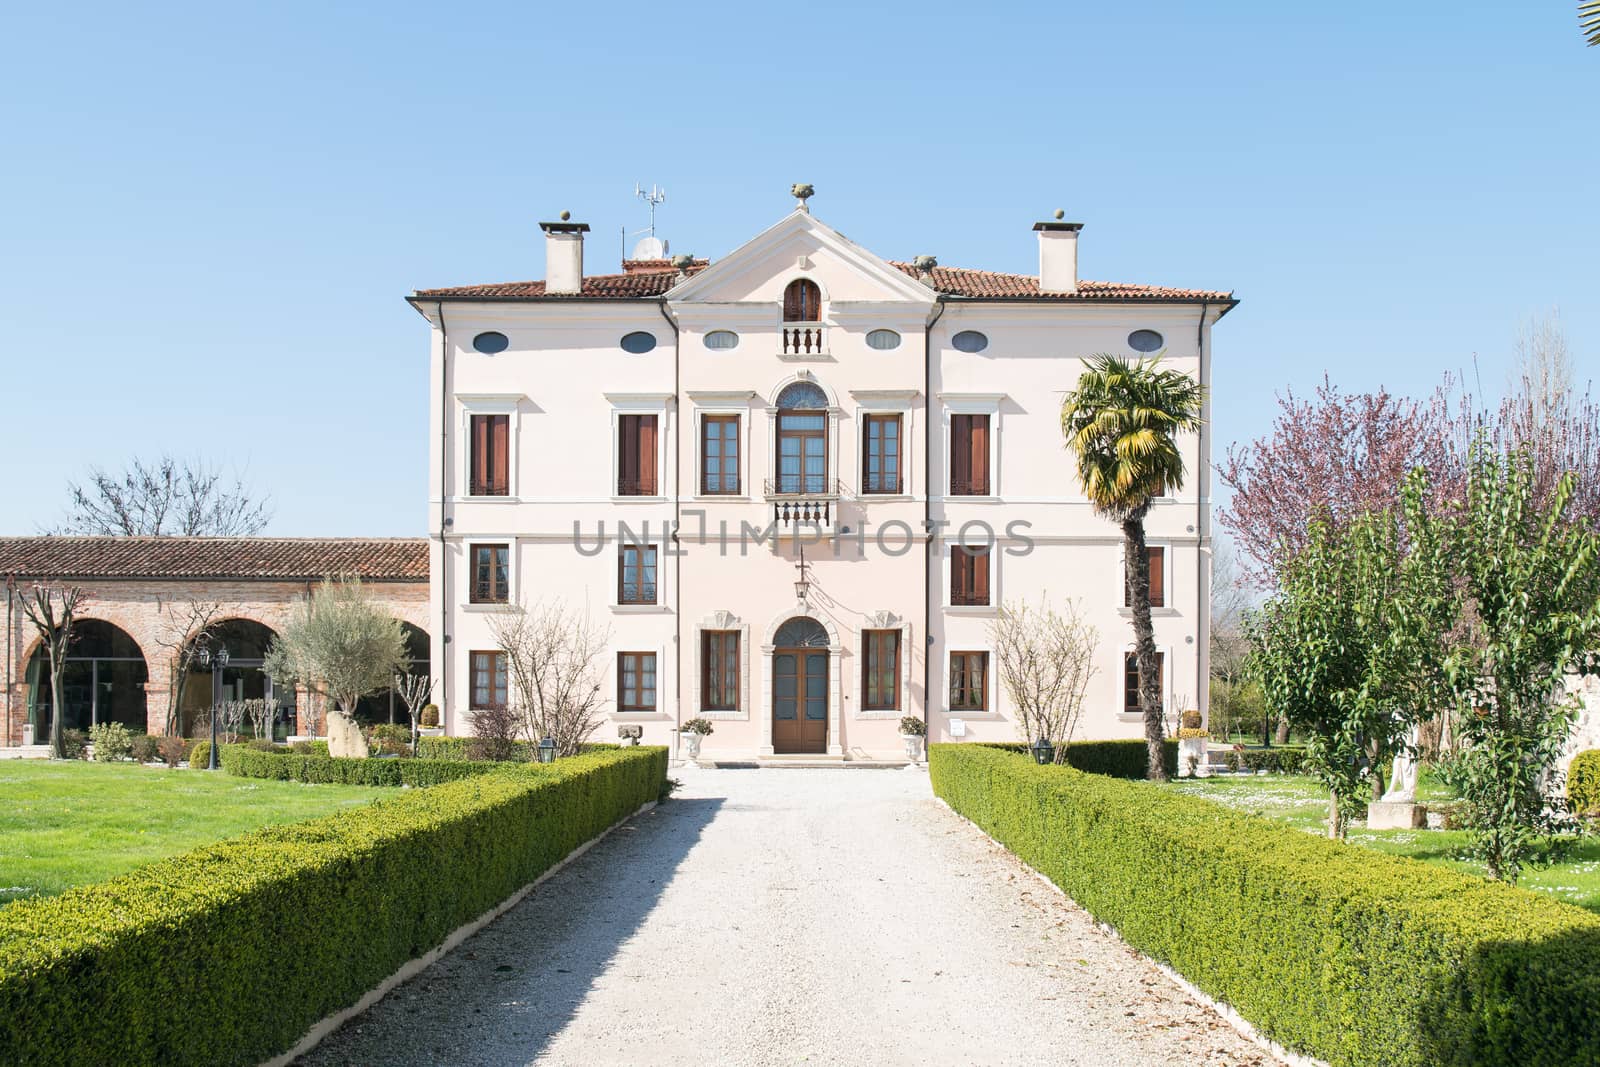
(802, 301)
(800, 632)
(103, 681)
(802, 439)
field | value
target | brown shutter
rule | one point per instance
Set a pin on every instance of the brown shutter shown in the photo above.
(500, 481)
(480, 454)
(628, 455)
(960, 452)
(791, 302)
(1158, 582)
(980, 577)
(979, 475)
(645, 458)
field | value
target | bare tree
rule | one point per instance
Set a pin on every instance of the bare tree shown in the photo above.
(184, 629)
(341, 643)
(52, 609)
(231, 715)
(414, 690)
(168, 497)
(553, 658)
(1045, 659)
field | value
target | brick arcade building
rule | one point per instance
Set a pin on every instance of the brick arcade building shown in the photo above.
(122, 664)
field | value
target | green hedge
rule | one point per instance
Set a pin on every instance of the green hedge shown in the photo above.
(228, 954)
(1118, 759)
(1583, 783)
(455, 748)
(285, 766)
(1350, 955)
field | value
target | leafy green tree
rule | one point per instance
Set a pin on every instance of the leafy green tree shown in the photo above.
(339, 642)
(1348, 648)
(1121, 424)
(1530, 581)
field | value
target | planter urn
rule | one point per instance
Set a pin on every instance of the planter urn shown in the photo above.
(913, 747)
(691, 743)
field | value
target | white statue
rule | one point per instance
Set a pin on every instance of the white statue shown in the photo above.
(1403, 772)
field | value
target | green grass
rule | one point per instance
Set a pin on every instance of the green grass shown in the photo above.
(1302, 803)
(70, 823)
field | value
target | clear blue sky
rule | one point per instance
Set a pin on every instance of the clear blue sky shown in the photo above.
(211, 215)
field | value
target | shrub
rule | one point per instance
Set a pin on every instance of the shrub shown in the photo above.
(112, 742)
(145, 749)
(260, 936)
(390, 739)
(430, 716)
(1356, 957)
(494, 734)
(172, 749)
(74, 744)
(456, 748)
(200, 756)
(245, 761)
(309, 748)
(1281, 760)
(911, 726)
(1583, 783)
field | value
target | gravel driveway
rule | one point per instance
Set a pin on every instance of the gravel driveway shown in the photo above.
(792, 916)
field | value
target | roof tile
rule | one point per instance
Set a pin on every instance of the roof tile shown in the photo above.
(237, 558)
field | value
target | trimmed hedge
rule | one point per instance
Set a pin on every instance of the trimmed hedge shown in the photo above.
(1118, 759)
(1356, 957)
(246, 762)
(455, 748)
(1583, 783)
(228, 954)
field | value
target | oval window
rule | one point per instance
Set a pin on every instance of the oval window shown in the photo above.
(639, 342)
(722, 339)
(491, 342)
(970, 341)
(1144, 340)
(883, 340)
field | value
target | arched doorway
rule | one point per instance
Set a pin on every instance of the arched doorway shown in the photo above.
(247, 642)
(104, 681)
(385, 705)
(800, 687)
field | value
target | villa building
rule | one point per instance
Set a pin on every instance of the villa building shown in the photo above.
(797, 485)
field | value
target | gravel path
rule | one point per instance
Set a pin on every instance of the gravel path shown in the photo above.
(784, 917)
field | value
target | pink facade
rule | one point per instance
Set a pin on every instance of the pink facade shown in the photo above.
(799, 395)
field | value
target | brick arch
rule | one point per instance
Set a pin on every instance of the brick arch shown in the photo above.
(33, 645)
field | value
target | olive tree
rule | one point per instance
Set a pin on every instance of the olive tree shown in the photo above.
(1045, 660)
(340, 643)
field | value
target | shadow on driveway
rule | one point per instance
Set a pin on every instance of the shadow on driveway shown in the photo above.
(503, 994)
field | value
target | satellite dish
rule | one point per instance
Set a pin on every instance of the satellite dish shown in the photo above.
(650, 248)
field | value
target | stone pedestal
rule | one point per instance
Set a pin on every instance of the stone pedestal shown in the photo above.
(1192, 750)
(1396, 815)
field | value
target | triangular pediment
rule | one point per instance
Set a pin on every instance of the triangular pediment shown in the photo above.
(800, 246)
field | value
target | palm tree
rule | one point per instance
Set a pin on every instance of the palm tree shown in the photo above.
(1121, 423)
(1589, 20)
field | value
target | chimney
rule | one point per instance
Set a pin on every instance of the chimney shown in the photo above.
(563, 255)
(1058, 254)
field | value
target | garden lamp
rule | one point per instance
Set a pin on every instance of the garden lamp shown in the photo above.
(1043, 751)
(547, 750)
(216, 662)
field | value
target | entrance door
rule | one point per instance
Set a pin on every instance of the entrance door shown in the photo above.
(800, 700)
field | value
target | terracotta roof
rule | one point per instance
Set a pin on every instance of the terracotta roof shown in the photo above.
(241, 558)
(644, 280)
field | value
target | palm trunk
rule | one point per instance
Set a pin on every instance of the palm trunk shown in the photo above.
(1144, 645)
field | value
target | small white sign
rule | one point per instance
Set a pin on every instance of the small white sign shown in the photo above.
(958, 728)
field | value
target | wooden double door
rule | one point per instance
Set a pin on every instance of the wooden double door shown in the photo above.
(800, 700)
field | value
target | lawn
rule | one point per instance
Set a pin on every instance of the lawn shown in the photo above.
(67, 823)
(1303, 804)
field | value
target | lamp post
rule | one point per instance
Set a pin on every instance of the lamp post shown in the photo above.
(1043, 751)
(216, 661)
(547, 750)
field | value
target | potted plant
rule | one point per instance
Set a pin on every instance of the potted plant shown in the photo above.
(912, 731)
(693, 732)
(428, 720)
(1192, 737)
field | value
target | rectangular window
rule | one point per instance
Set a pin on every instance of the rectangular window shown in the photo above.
(719, 455)
(880, 469)
(491, 455)
(880, 678)
(719, 670)
(1130, 680)
(969, 455)
(491, 566)
(802, 452)
(636, 574)
(1158, 579)
(488, 680)
(969, 575)
(636, 681)
(969, 681)
(636, 455)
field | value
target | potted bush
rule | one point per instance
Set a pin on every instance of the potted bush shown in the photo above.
(693, 732)
(1192, 738)
(912, 731)
(428, 720)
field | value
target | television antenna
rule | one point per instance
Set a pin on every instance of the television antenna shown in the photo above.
(649, 247)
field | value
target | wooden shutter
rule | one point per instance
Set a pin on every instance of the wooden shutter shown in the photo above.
(1158, 578)
(480, 455)
(980, 577)
(628, 455)
(645, 458)
(500, 452)
(960, 453)
(958, 575)
(979, 462)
